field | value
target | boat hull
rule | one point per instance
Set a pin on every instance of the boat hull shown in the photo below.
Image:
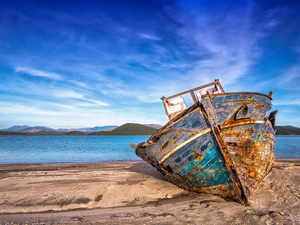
(222, 145)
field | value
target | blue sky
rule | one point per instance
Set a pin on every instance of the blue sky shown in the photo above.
(71, 64)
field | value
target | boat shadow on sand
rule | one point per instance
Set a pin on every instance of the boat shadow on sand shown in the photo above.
(284, 176)
(146, 169)
(277, 199)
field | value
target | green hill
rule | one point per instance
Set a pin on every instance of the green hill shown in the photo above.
(10, 133)
(287, 130)
(128, 129)
(74, 133)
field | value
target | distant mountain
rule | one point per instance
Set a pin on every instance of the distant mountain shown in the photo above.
(51, 131)
(11, 133)
(290, 127)
(27, 129)
(128, 129)
(45, 132)
(37, 129)
(63, 130)
(155, 126)
(16, 128)
(74, 133)
(287, 130)
(93, 129)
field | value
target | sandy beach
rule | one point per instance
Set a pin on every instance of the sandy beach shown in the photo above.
(136, 193)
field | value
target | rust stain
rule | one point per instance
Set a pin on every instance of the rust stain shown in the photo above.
(165, 145)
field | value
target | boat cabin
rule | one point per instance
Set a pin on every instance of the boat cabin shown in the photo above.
(175, 104)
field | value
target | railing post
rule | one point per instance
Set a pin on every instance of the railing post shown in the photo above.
(219, 85)
(164, 99)
(193, 96)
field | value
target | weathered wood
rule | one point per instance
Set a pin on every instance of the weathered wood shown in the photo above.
(133, 145)
(164, 99)
(192, 93)
(193, 96)
(193, 90)
(219, 85)
(271, 94)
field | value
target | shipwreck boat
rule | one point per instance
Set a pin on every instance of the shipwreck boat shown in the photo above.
(223, 144)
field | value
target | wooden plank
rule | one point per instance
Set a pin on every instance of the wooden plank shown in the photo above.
(219, 85)
(132, 145)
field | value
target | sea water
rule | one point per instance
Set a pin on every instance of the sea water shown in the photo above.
(90, 149)
(68, 149)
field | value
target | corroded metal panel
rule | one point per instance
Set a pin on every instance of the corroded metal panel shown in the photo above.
(226, 106)
(252, 149)
(177, 133)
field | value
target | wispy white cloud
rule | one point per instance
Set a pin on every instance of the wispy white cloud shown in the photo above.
(81, 84)
(66, 118)
(291, 100)
(64, 106)
(20, 109)
(222, 45)
(61, 93)
(38, 73)
(73, 94)
(68, 94)
(290, 78)
(95, 101)
(226, 41)
(149, 36)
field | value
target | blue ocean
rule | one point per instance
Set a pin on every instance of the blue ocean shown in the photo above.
(92, 149)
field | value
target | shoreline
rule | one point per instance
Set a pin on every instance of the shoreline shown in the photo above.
(68, 163)
(277, 160)
(135, 192)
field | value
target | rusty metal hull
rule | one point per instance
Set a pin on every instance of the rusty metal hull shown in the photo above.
(223, 144)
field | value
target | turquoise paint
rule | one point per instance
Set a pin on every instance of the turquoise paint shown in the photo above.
(210, 171)
(188, 153)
